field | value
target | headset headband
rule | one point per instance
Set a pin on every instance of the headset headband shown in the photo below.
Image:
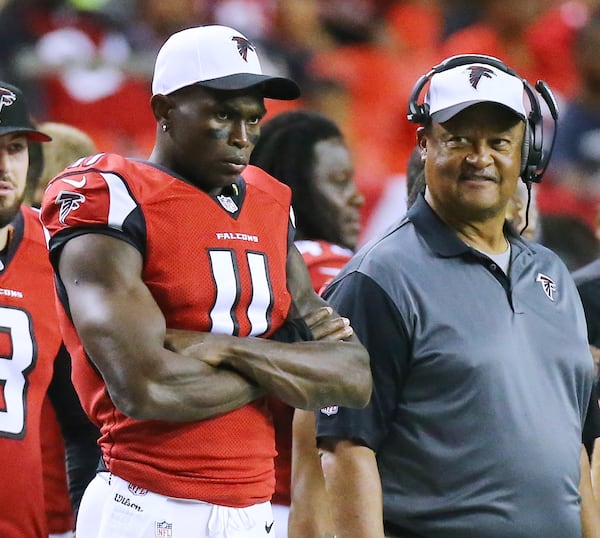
(536, 156)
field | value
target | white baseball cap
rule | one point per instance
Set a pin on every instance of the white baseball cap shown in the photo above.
(215, 57)
(453, 90)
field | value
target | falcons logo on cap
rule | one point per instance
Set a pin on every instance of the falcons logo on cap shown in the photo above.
(7, 97)
(68, 201)
(476, 72)
(548, 285)
(243, 46)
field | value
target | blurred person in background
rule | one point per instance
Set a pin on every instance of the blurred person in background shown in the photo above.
(378, 45)
(574, 178)
(67, 145)
(569, 236)
(307, 151)
(509, 29)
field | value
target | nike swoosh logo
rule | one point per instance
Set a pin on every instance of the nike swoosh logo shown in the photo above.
(269, 527)
(77, 184)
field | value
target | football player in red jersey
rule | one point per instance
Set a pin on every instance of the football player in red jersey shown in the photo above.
(185, 303)
(33, 361)
(45, 161)
(307, 151)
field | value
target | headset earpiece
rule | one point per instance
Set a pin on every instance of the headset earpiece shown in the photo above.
(534, 156)
(525, 150)
(419, 113)
(534, 137)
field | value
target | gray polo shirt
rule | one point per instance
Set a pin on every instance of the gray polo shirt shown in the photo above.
(481, 383)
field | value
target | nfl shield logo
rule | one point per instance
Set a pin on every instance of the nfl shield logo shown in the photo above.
(136, 490)
(163, 529)
(330, 410)
(227, 203)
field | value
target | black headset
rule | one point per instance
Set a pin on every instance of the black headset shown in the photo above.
(535, 156)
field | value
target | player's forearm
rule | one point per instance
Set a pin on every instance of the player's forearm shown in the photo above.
(303, 374)
(153, 382)
(306, 375)
(201, 393)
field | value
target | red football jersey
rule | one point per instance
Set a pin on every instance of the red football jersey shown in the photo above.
(29, 342)
(324, 260)
(212, 264)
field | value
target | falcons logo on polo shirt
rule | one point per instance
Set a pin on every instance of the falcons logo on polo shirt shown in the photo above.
(243, 46)
(548, 285)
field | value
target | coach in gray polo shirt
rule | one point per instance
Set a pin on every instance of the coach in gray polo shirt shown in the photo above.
(482, 372)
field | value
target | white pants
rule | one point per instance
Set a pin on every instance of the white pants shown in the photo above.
(281, 514)
(113, 508)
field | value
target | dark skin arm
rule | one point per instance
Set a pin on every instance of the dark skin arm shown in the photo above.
(310, 509)
(306, 375)
(590, 515)
(153, 373)
(352, 479)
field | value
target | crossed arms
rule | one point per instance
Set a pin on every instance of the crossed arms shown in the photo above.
(152, 372)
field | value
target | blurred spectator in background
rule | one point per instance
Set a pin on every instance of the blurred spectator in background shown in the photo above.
(507, 29)
(551, 37)
(587, 279)
(79, 64)
(67, 145)
(380, 50)
(89, 60)
(571, 238)
(88, 63)
(459, 13)
(21, 22)
(307, 151)
(523, 213)
(574, 179)
(400, 192)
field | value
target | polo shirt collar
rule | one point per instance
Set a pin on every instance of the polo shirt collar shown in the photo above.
(439, 236)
